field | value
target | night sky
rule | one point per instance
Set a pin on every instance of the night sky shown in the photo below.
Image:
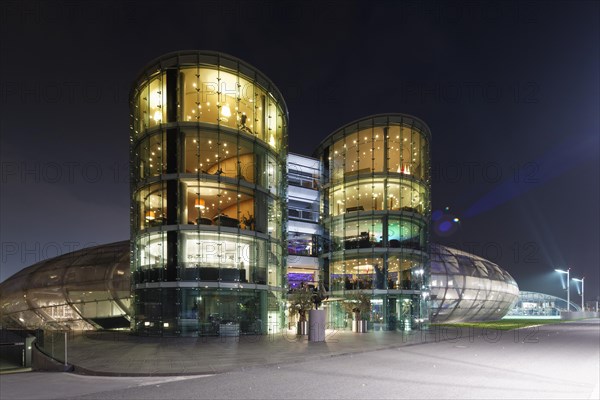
(510, 91)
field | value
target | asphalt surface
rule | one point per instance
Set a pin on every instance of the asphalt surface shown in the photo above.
(552, 361)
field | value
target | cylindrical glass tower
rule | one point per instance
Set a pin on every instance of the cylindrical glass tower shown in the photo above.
(376, 209)
(208, 187)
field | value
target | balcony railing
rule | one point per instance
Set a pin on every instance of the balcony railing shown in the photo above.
(302, 181)
(305, 215)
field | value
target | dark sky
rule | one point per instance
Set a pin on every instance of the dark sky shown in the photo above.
(510, 91)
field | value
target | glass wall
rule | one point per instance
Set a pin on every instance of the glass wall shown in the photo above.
(534, 304)
(465, 287)
(208, 152)
(150, 255)
(151, 206)
(407, 233)
(378, 194)
(213, 153)
(212, 95)
(150, 109)
(228, 99)
(303, 210)
(218, 256)
(219, 204)
(356, 274)
(376, 209)
(396, 148)
(357, 232)
(151, 154)
(298, 177)
(387, 272)
(86, 289)
(302, 244)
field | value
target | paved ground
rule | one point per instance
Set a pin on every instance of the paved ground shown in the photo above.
(552, 361)
(126, 355)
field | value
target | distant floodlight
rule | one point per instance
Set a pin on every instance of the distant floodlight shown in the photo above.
(568, 271)
(581, 280)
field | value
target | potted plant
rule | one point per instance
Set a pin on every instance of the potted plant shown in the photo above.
(301, 301)
(317, 318)
(250, 317)
(406, 314)
(359, 306)
(248, 221)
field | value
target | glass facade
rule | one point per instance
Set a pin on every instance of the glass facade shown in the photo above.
(90, 289)
(534, 304)
(465, 287)
(304, 231)
(375, 209)
(212, 191)
(86, 289)
(208, 215)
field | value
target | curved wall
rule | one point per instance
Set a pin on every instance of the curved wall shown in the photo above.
(465, 287)
(375, 213)
(208, 221)
(89, 289)
(85, 289)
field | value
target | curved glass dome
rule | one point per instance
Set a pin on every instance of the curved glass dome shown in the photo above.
(465, 287)
(85, 289)
(90, 289)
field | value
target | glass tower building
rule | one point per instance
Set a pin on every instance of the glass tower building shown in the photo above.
(375, 210)
(208, 197)
(211, 251)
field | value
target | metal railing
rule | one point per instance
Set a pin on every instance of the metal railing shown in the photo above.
(306, 215)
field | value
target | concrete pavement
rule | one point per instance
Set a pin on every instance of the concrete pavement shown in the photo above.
(551, 361)
(127, 355)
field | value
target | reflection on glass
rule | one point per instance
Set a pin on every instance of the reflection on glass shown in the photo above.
(151, 157)
(367, 151)
(219, 155)
(367, 195)
(406, 233)
(220, 97)
(152, 206)
(466, 287)
(53, 294)
(211, 209)
(211, 203)
(302, 244)
(357, 274)
(151, 104)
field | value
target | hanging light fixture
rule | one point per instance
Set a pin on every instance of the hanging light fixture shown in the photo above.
(150, 215)
(200, 203)
(226, 111)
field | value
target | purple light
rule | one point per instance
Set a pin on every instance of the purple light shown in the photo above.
(445, 226)
(295, 279)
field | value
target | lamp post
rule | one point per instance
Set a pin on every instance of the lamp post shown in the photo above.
(568, 272)
(581, 280)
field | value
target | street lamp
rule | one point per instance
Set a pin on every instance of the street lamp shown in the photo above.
(581, 280)
(568, 272)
